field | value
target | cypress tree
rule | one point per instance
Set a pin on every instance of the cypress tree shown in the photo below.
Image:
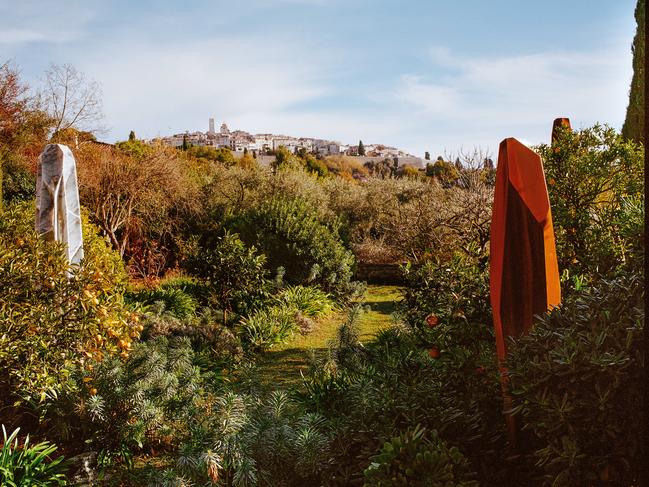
(361, 148)
(633, 127)
(185, 145)
(131, 136)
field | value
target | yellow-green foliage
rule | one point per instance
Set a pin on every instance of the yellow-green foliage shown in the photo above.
(50, 322)
(595, 184)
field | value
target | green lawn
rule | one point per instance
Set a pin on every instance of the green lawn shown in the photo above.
(281, 365)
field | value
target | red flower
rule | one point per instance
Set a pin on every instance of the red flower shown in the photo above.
(432, 320)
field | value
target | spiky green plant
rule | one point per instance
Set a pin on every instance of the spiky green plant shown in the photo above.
(268, 327)
(310, 301)
(176, 301)
(124, 405)
(29, 465)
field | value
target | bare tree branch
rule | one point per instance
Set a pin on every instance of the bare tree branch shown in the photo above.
(72, 100)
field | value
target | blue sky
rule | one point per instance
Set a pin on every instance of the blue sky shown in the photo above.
(442, 76)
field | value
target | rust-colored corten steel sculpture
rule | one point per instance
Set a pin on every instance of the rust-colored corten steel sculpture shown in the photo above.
(523, 263)
(559, 122)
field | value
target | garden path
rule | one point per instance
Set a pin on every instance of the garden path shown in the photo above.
(281, 366)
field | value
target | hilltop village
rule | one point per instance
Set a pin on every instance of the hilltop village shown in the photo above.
(240, 141)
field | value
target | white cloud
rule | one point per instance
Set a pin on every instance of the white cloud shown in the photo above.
(435, 99)
(30, 21)
(171, 87)
(498, 97)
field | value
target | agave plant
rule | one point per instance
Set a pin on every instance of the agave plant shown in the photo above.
(29, 465)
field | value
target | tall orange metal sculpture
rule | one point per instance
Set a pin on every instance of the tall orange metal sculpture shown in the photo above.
(523, 263)
(557, 125)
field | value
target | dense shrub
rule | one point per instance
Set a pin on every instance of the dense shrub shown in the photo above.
(123, 406)
(577, 385)
(590, 174)
(235, 273)
(51, 322)
(374, 392)
(416, 459)
(18, 183)
(290, 234)
(25, 465)
(246, 440)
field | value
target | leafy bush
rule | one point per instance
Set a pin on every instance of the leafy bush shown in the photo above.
(29, 465)
(50, 322)
(291, 235)
(235, 273)
(125, 405)
(590, 173)
(446, 304)
(416, 459)
(577, 384)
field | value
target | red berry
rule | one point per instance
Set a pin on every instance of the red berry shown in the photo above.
(432, 320)
(434, 353)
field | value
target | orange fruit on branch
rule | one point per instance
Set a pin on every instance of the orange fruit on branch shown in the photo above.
(434, 353)
(432, 320)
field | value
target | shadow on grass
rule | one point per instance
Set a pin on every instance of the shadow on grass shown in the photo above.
(283, 367)
(383, 307)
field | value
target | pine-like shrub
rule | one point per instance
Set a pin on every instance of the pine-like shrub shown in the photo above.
(250, 440)
(208, 335)
(189, 285)
(175, 301)
(124, 406)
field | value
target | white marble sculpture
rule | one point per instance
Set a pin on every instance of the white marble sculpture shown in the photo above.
(57, 200)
